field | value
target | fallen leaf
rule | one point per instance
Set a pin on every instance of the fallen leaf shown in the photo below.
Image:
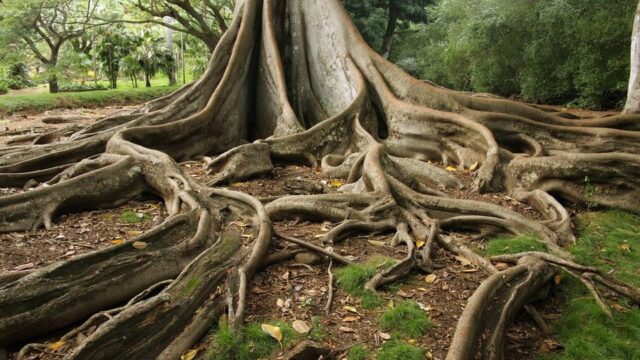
(451, 169)
(412, 341)
(259, 291)
(351, 309)
(280, 303)
(390, 304)
(618, 307)
(463, 260)
(470, 270)
(420, 244)
(502, 266)
(404, 294)
(384, 335)
(140, 245)
(351, 319)
(376, 243)
(273, 331)
(625, 246)
(557, 279)
(346, 329)
(117, 241)
(24, 266)
(550, 345)
(336, 183)
(189, 355)
(285, 276)
(474, 166)
(301, 327)
(56, 345)
(423, 307)
(134, 233)
(431, 278)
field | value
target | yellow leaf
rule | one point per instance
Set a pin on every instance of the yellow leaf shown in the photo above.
(336, 183)
(557, 279)
(117, 241)
(625, 246)
(301, 327)
(430, 279)
(474, 166)
(463, 260)
(273, 331)
(451, 169)
(420, 244)
(140, 245)
(411, 341)
(351, 309)
(56, 345)
(189, 355)
(470, 270)
(351, 319)
(134, 233)
(390, 304)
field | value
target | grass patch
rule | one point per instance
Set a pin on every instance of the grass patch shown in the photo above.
(397, 350)
(405, 319)
(513, 245)
(252, 344)
(358, 352)
(609, 240)
(41, 102)
(352, 278)
(132, 217)
(318, 332)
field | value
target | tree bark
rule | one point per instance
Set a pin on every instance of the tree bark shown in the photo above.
(53, 84)
(633, 95)
(391, 29)
(169, 38)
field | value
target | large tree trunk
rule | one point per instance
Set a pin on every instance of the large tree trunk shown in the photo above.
(633, 95)
(169, 38)
(293, 81)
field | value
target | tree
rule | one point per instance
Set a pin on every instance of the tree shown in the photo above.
(203, 19)
(633, 95)
(45, 26)
(309, 91)
(115, 43)
(394, 10)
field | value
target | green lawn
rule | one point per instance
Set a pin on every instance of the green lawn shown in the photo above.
(37, 99)
(609, 240)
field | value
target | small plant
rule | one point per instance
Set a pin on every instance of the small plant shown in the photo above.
(397, 350)
(353, 278)
(358, 352)
(514, 245)
(405, 319)
(250, 344)
(318, 332)
(132, 217)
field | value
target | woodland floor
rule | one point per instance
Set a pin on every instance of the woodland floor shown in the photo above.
(287, 291)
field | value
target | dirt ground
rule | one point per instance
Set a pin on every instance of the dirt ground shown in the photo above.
(302, 287)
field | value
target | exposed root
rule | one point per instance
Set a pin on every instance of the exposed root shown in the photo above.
(294, 82)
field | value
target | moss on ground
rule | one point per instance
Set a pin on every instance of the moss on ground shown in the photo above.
(132, 217)
(397, 350)
(406, 319)
(513, 245)
(352, 279)
(358, 352)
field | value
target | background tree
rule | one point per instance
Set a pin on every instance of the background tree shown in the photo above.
(379, 19)
(114, 44)
(44, 27)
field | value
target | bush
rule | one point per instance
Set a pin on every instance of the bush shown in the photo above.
(66, 87)
(549, 51)
(4, 88)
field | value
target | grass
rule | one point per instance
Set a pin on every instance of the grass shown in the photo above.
(252, 344)
(609, 240)
(406, 320)
(132, 217)
(513, 245)
(353, 278)
(41, 102)
(397, 350)
(358, 352)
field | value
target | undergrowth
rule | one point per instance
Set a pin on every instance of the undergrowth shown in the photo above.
(352, 278)
(405, 319)
(397, 350)
(513, 245)
(358, 352)
(132, 217)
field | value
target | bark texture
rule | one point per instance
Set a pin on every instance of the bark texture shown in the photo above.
(633, 95)
(293, 81)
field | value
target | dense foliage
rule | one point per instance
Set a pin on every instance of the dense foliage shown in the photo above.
(546, 51)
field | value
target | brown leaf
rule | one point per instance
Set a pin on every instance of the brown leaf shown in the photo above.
(259, 291)
(134, 233)
(117, 241)
(346, 329)
(384, 335)
(431, 278)
(351, 309)
(189, 355)
(404, 294)
(140, 245)
(301, 327)
(502, 266)
(351, 319)
(376, 243)
(463, 260)
(24, 266)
